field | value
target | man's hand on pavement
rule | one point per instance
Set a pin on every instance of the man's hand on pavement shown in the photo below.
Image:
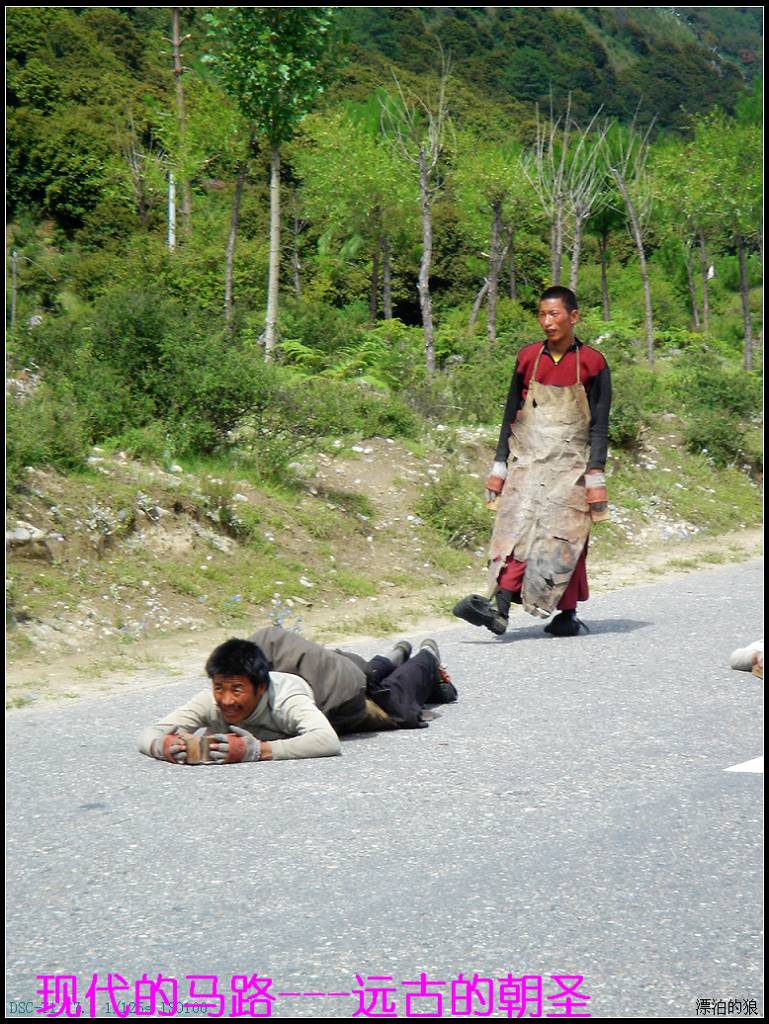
(234, 746)
(171, 747)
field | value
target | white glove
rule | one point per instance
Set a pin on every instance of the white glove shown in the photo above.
(496, 478)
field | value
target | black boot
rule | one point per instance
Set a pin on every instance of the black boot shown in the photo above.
(479, 611)
(400, 653)
(503, 599)
(444, 691)
(566, 623)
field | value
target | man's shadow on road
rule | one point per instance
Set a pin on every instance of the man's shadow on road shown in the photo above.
(602, 626)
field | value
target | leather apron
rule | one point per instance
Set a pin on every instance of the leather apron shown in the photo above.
(543, 516)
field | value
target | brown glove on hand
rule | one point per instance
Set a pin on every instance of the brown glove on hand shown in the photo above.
(234, 746)
(597, 497)
(173, 746)
(496, 481)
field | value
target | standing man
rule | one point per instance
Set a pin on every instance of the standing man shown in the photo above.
(548, 476)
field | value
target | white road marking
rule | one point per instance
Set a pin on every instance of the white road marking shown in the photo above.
(756, 766)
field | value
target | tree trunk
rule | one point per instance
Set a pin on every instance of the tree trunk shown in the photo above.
(296, 266)
(230, 252)
(178, 72)
(745, 296)
(704, 268)
(556, 246)
(575, 253)
(387, 291)
(425, 301)
(603, 245)
(692, 291)
(477, 304)
(373, 301)
(271, 322)
(495, 263)
(513, 283)
(638, 236)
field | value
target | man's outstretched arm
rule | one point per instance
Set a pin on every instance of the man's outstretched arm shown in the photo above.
(308, 732)
(165, 739)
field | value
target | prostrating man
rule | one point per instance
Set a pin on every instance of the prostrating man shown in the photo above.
(278, 696)
(548, 476)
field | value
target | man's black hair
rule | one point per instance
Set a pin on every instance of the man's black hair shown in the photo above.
(566, 295)
(239, 658)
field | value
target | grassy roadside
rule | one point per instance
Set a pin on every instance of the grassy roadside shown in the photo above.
(140, 563)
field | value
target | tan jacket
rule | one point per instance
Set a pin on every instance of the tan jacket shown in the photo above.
(287, 716)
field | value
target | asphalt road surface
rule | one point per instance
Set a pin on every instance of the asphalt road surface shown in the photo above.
(570, 822)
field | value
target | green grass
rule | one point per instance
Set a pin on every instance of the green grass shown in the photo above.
(353, 584)
(449, 559)
(445, 604)
(18, 702)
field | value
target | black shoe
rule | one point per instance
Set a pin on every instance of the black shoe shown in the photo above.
(400, 653)
(432, 647)
(449, 694)
(479, 611)
(444, 691)
(565, 624)
(503, 599)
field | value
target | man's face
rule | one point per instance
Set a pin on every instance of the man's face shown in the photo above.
(236, 697)
(556, 320)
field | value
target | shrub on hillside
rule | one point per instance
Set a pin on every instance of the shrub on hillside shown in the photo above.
(45, 429)
(709, 384)
(209, 384)
(455, 510)
(638, 392)
(479, 388)
(319, 327)
(719, 437)
(292, 416)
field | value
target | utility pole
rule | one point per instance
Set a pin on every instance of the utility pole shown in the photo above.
(171, 212)
(14, 258)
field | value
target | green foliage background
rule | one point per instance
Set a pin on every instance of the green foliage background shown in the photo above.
(128, 340)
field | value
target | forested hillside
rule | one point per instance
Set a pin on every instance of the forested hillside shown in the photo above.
(241, 234)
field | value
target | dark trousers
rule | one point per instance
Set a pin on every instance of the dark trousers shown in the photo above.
(403, 691)
(400, 693)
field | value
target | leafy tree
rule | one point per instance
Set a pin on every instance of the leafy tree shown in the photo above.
(274, 62)
(497, 199)
(734, 151)
(628, 156)
(353, 187)
(605, 221)
(418, 126)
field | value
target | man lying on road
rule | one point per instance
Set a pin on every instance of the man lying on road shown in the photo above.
(277, 696)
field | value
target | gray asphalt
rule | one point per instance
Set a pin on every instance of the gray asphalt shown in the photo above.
(570, 816)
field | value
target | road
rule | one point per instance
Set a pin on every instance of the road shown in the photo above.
(570, 817)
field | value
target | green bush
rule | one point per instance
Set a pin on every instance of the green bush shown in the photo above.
(107, 397)
(720, 437)
(455, 510)
(710, 384)
(208, 385)
(479, 388)
(45, 429)
(291, 416)
(629, 385)
(319, 327)
(151, 442)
